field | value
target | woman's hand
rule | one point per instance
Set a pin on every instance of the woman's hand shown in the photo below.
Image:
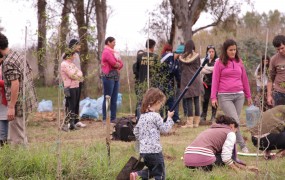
(249, 101)
(215, 103)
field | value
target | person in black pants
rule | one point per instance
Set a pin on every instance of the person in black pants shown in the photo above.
(272, 134)
(71, 76)
(207, 73)
(75, 46)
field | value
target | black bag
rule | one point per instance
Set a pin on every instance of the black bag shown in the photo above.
(124, 130)
(132, 165)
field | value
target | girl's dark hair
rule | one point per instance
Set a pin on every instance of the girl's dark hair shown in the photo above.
(189, 48)
(223, 119)
(211, 47)
(151, 97)
(262, 64)
(224, 56)
(109, 39)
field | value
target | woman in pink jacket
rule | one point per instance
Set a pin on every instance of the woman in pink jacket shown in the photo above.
(230, 85)
(110, 66)
(71, 76)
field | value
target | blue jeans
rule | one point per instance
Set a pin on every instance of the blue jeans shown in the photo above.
(155, 166)
(111, 88)
(4, 129)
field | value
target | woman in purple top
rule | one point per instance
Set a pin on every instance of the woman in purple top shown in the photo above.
(230, 85)
(111, 65)
(215, 145)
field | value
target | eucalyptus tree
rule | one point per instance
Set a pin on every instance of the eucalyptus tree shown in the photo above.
(42, 31)
(184, 15)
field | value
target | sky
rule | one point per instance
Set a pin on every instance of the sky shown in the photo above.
(126, 22)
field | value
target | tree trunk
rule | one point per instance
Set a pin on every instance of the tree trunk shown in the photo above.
(64, 29)
(101, 19)
(82, 31)
(41, 49)
(186, 13)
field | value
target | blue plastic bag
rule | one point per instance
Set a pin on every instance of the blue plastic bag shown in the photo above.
(45, 106)
(89, 109)
(83, 102)
(119, 100)
(101, 99)
(99, 104)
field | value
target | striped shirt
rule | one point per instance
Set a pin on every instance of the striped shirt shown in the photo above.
(219, 139)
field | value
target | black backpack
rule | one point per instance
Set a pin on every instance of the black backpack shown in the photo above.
(124, 130)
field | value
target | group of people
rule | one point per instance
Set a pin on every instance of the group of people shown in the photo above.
(225, 81)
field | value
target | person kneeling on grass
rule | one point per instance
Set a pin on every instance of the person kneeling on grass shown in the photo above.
(147, 132)
(215, 146)
(272, 132)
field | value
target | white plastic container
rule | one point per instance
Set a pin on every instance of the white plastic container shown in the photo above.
(252, 116)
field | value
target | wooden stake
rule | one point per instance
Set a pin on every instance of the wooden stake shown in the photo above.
(108, 124)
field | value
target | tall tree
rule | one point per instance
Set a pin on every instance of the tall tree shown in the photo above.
(42, 31)
(101, 19)
(64, 29)
(185, 13)
(101, 23)
(83, 17)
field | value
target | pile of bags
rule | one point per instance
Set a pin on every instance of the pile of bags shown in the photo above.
(88, 108)
(92, 108)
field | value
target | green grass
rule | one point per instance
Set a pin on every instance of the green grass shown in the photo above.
(83, 153)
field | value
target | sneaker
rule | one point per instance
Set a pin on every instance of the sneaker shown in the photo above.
(177, 121)
(133, 176)
(80, 124)
(245, 150)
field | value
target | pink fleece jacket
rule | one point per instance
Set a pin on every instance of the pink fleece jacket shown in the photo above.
(231, 78)
(70, 74)
(109, 59)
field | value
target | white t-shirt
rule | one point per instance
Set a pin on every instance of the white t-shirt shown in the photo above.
(263, 78)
